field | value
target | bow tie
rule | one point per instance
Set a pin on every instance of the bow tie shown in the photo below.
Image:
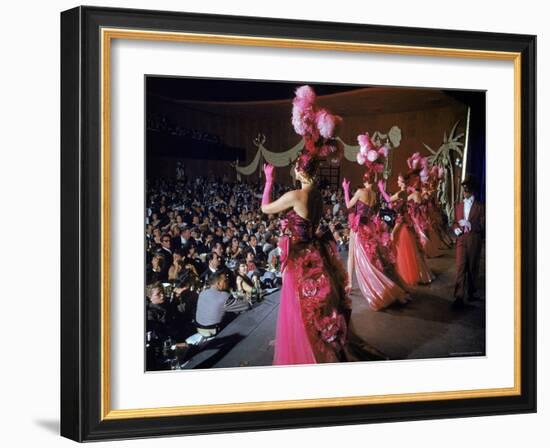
(469, 200)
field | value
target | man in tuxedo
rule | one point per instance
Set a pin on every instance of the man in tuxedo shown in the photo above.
(214, 263)
(163, 216)
(469, 227)
(259, 256)
(249, 228)
(196, 235)
(209, 242)
(175, 231)
(166, 251)
(183, 239)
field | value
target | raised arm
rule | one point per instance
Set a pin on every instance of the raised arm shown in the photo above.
(269, 175)
(345, 186)
(286, 201)
(382, 191)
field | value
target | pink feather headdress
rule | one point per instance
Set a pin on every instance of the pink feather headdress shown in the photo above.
(317, 126)
(418, 166)
(371, 155)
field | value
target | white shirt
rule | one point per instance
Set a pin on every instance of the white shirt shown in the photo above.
(468, 206)
(468, 202)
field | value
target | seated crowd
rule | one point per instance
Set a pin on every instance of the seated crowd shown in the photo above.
(211, 253)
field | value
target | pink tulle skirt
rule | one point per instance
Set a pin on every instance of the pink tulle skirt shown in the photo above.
(312, 325)
(376, 287)
(410, 263)
(292, 344)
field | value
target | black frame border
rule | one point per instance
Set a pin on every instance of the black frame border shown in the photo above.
(81, 223)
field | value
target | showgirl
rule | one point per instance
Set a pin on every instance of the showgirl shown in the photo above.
(370, 255)
(410, 262)
(314, 312)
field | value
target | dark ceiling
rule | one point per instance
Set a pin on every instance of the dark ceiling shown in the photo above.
(220, 90)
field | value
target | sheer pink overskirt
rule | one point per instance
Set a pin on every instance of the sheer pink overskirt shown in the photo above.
(292, 344)
(378, 290)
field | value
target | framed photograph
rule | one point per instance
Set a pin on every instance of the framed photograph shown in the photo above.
(276, 224)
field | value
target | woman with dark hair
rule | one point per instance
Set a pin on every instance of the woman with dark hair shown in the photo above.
(191, 258)
(157, 235)
(155, 221)
(234, 250)
(154, 271)
(369, 252)
(245, 285)
(176, 267)
(312, 325)
(179, 222)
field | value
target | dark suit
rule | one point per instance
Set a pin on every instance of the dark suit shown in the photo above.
(168, 259)
(201, 248)
(468, 249)
(259, 255)
(179, 242)
(205, 276)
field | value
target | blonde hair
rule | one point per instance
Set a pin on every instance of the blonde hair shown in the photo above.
(150, 288)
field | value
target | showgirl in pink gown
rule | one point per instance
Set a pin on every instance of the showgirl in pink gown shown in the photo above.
(370, 255)
(410, 263)
(314, 311)
(422, 210)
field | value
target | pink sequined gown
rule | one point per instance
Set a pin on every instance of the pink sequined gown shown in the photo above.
(410, 263)
(372, 256)
(314, 312)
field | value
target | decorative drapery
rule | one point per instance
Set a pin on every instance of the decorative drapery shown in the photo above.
(251, 167)
(280, 159)
(285, 158)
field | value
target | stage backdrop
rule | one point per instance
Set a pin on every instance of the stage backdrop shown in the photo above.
(423, 115)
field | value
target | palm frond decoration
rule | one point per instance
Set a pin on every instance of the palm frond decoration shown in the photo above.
(450, 149)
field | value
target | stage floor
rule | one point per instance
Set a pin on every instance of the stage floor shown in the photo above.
(427, 327)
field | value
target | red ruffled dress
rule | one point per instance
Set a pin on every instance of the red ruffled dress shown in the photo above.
(410, 263)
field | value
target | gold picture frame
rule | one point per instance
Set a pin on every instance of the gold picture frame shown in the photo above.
(99, 420)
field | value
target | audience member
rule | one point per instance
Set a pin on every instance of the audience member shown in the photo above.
(211, 305)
